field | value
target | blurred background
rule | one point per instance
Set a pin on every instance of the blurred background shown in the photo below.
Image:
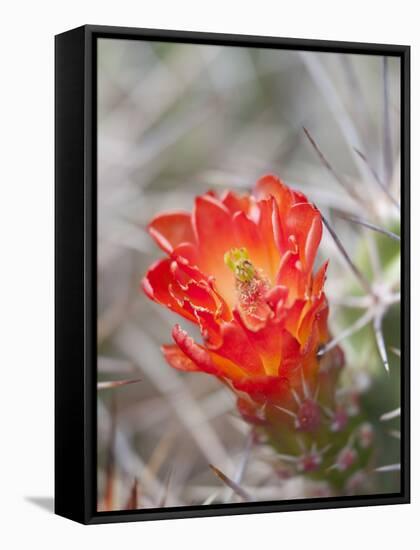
(175, 120)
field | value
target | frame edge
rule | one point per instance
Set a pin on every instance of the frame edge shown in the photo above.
(70, 441)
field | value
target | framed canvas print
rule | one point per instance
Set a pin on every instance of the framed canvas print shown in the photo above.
(232, 274)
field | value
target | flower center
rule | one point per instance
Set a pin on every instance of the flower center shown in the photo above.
(237, 260)
(251, 288)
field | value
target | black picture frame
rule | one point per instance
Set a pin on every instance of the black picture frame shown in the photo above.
(75, 272)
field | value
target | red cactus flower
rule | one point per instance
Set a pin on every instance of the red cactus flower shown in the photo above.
(241, 268)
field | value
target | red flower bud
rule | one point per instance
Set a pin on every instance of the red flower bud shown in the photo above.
(339, 420)
(308, 416)
(309, 462)
(365, 435)
(346, 459)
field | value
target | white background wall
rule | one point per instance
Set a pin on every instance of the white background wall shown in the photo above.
(26, 218)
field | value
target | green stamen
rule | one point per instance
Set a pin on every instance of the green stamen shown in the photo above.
(237, 260)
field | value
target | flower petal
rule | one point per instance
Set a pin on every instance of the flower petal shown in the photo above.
(177, 358)
(310, 318)
(157, 284)
(304, 222)
(272, 186)
(199, 289)
(210, 329)
(186, 251)
(206, 360)
(264, 389)
(276, 298)
(236, 203)
(170, 229)
(267, 343)
(291, 276)
(197, 354)
(319, 279)
(212, 223)
(271, 236)
(237, 347)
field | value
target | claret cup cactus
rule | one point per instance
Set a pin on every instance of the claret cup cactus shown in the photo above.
(241, 268)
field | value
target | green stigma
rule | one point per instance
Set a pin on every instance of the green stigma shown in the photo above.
(237, 260)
